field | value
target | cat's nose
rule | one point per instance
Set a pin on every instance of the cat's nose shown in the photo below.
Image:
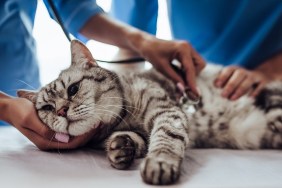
(63, 111)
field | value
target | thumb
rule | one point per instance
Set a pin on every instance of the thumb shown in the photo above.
(170, 71)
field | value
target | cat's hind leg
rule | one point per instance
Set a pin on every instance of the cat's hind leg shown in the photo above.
(272, 138)
(123, 146)
(270, 101)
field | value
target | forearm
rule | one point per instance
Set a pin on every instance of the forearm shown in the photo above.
(272, 68)
(114, 33)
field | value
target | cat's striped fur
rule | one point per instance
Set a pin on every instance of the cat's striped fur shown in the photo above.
(138, 115)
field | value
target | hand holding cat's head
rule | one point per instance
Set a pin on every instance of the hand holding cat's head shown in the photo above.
(83, 97)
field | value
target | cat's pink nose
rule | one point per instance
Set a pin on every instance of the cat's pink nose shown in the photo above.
(63, 111)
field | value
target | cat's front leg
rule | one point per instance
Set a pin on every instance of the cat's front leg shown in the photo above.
(122, 147)
(168, 141)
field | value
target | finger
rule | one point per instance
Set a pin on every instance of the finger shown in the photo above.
(44, 132)
(169, 72)
(41, 129)
(198, 61)
(234, 81)
(190, 73)
(42, 143)
(51, 144)
(224, 76)
(242, 89)
(257, 89)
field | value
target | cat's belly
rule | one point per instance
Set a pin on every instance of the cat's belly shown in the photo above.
(227, 124)
(219, 122)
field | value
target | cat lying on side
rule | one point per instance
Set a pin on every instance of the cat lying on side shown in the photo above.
(138, 115)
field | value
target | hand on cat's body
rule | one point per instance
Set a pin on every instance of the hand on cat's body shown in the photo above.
(161, 53)
(21, 114)
(267, 71)
(237, 81)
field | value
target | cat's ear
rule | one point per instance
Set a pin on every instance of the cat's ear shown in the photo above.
(81, 56)
(28, 94)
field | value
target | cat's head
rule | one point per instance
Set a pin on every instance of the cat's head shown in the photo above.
(83, 97)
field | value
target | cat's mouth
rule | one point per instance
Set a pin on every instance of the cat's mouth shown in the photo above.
(62, 137)
(66, 137)
(79, 130)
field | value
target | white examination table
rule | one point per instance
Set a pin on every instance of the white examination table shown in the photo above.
(23, 165)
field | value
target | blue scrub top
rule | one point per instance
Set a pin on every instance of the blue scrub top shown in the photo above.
(18, 60)
(232, 32)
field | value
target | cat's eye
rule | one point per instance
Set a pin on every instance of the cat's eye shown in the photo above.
(73, 89)
(47, 107)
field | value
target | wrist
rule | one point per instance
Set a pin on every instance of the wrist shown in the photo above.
(271, 68)
(138, 40)
(266, 77)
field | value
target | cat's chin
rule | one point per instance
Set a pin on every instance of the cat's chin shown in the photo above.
(76, 130)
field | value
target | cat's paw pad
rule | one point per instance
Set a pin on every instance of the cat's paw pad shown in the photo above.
(160, 171)
(121, 152)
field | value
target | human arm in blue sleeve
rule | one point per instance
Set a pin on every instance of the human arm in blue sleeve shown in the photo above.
(75, 13)
(141, 14)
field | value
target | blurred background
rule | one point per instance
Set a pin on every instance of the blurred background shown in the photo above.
(53, 47)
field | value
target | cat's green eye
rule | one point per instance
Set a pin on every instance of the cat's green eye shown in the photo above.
(72, 90)
(47, 107)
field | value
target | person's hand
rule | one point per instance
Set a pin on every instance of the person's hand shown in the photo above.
(161, 53)
(237, 82)
(22, 115)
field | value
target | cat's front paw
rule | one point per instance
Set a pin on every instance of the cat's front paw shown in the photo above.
(121, 152)
(158, 171)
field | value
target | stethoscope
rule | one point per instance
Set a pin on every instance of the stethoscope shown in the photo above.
(60, 22)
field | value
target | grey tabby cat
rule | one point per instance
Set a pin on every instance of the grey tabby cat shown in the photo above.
(138, 115)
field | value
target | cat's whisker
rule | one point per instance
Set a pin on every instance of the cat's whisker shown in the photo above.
(127, 105)
(26, 84)
(115, 77)
(51, 140)
(58, 149)
(117, 106)
(117, 116)
(89, 103)
(120, 106)
(106, 131)
(94, 114)
(83, 101)
(100, 120)
(120, 99)
(107, 128)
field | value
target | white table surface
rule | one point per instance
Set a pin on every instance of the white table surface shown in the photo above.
(23, 165)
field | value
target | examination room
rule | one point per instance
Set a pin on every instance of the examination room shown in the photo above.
(141, 93)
